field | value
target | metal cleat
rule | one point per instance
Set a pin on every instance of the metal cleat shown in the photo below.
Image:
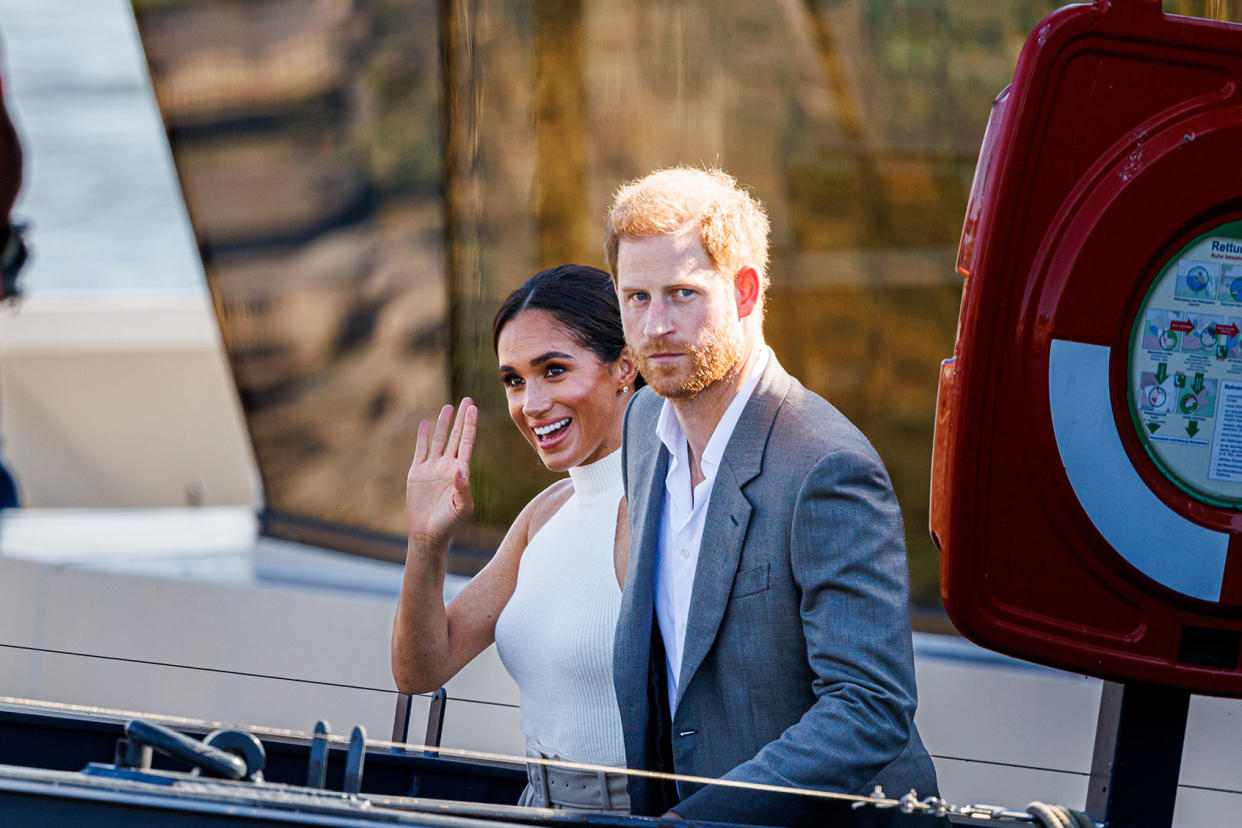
(317, 771)
(355, 759)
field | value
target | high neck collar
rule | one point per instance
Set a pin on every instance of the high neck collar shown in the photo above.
(598, 480)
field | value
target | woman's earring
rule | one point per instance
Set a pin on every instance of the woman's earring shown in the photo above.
(625, 389)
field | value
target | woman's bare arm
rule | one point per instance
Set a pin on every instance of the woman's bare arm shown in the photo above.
(431, 642)
(437, 501)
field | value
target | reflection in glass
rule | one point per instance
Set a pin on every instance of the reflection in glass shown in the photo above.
(307, 139)
(369, 178)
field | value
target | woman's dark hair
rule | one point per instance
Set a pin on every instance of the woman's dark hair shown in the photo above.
(581, 299)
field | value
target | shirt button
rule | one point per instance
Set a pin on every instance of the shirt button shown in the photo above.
(685, 553)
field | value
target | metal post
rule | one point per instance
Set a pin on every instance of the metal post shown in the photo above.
(317, 766)
(435, 719)
(1138, 755)
(355, 760)
(401, 718)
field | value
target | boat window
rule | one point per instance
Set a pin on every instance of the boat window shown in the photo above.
(367, 181)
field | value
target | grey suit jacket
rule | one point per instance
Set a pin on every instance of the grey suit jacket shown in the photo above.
(797, 667)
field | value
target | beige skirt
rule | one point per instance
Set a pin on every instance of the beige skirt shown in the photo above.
(569, 789)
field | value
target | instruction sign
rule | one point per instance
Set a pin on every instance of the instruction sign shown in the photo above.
(1185, 368)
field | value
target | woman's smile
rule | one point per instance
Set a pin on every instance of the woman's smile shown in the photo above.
(553, 431)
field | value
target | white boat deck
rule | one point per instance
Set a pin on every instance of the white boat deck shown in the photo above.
(186, 612)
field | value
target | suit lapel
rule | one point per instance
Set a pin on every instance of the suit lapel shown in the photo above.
(646, 501)
(728, 515)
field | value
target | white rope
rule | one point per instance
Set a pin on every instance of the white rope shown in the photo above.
(1058, 816)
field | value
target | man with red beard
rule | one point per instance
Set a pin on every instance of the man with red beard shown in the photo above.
(764, 634)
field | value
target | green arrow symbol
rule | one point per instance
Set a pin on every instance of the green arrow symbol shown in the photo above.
(1153, 427)
(1193, 428)
(1162, 373)
(1179, 379)
(1197, 385)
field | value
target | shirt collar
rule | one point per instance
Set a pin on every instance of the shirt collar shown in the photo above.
(668, 428)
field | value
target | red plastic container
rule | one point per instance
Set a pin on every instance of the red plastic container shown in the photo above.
(1087, 471)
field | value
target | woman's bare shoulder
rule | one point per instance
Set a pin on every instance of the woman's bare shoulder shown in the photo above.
(544, 505)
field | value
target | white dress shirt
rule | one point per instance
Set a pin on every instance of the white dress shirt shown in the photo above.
(681, 521)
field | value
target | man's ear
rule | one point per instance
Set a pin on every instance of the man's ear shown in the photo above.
(746, 291)
(626, 368)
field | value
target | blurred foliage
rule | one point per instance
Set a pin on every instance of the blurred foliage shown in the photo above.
(857, 122)
(1230, 10)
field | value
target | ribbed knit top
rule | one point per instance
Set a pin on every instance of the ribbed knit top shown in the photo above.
(556, 633)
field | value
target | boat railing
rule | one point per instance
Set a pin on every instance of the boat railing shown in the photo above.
(435, 718)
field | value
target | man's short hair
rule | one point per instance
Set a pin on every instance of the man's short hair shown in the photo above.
(733, 226)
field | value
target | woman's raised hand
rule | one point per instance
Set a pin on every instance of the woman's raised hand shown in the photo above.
(437, 489)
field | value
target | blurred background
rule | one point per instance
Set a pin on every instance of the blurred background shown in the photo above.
(358, 183)
(270, 236)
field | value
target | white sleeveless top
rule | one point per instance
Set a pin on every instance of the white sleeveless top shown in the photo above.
(556, 633)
